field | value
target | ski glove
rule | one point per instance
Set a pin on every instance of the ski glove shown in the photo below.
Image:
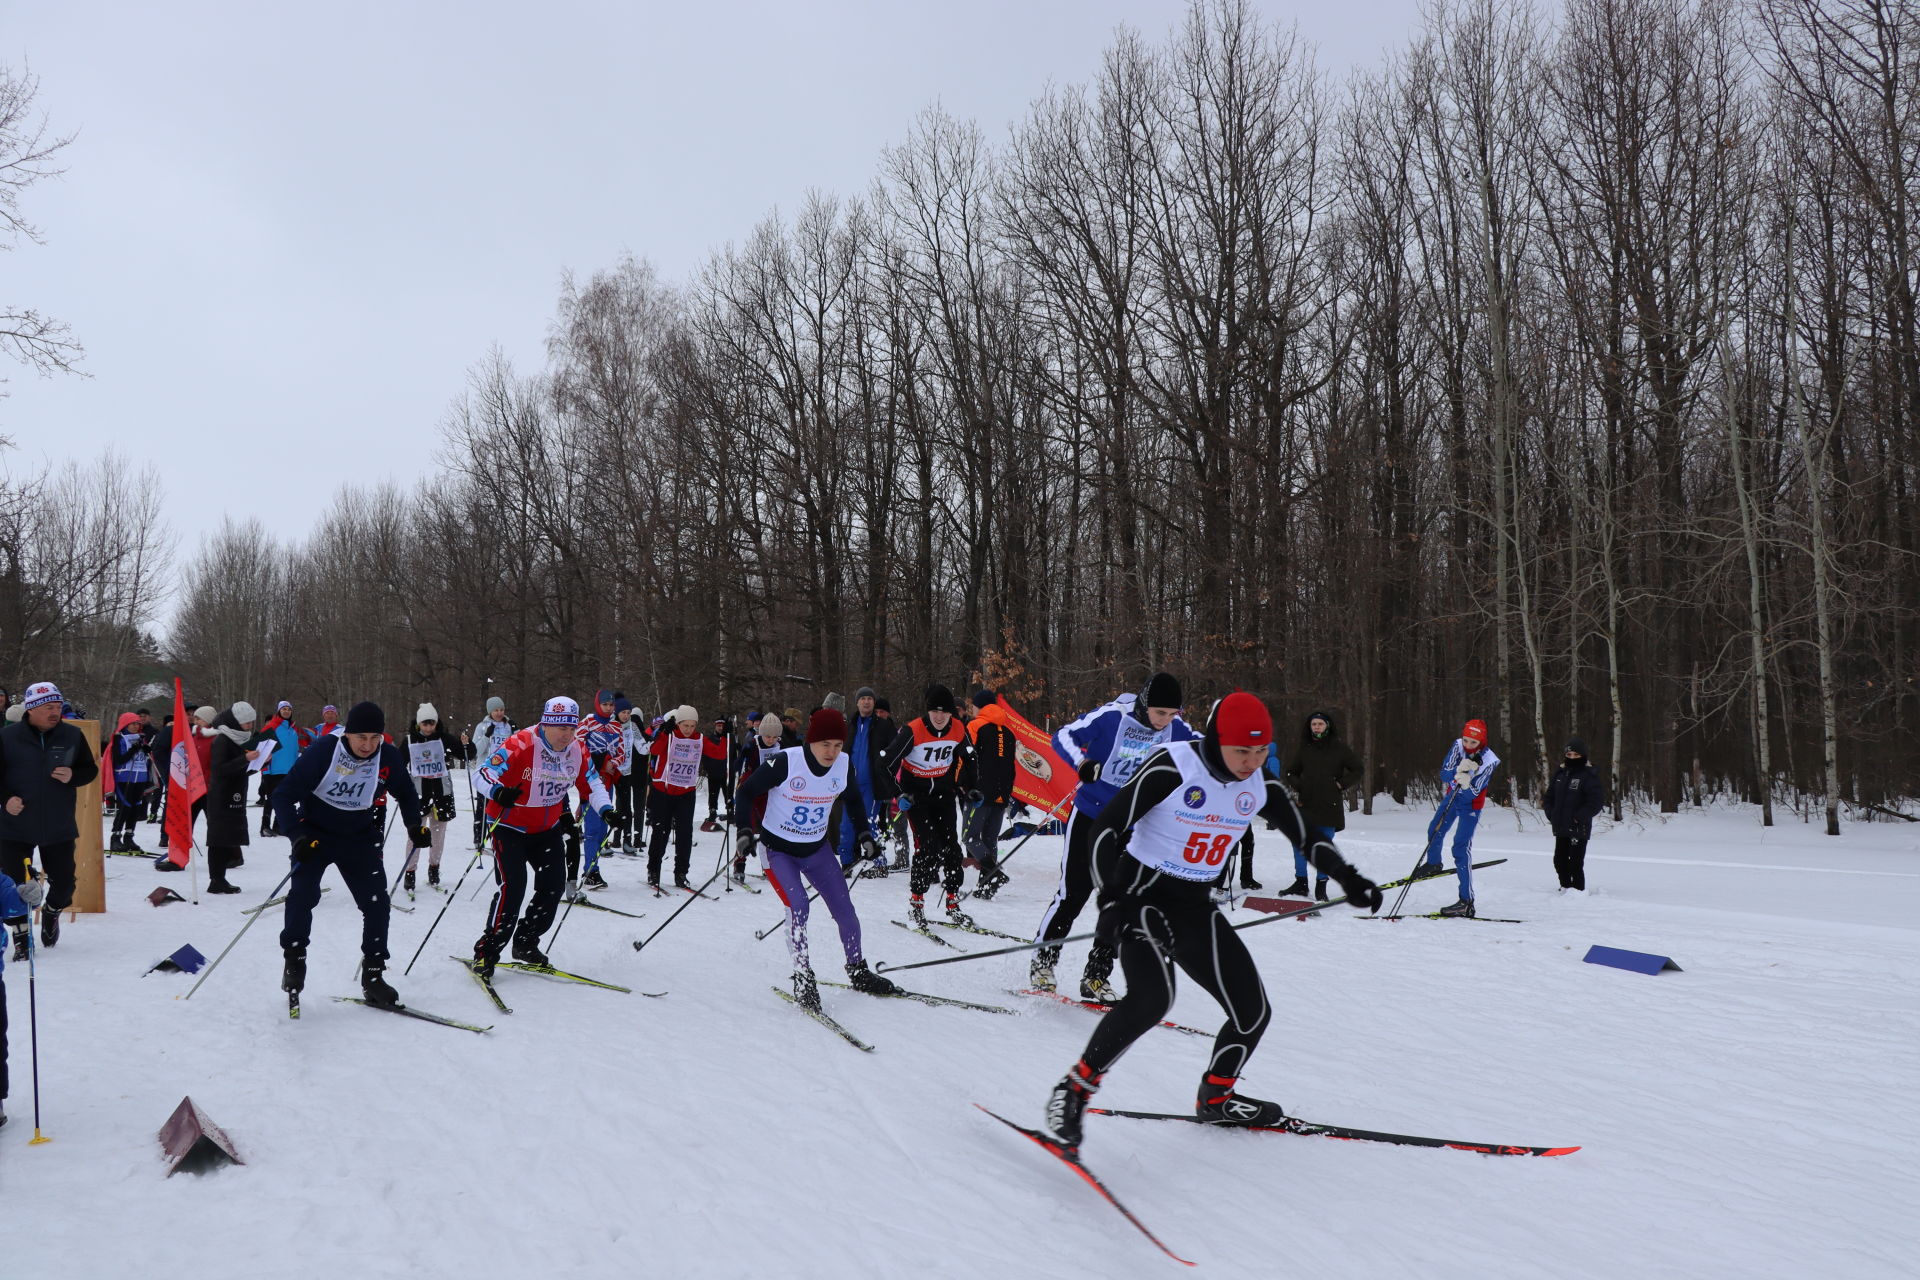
(422, 836)
(1359, 891)
(33, 893)
(976, 797)
(568, 825)
(1089, 771)
(904, 803)
(866, 847)
(506, 797)
(608, 816)
(1463, 773)
(305, 846)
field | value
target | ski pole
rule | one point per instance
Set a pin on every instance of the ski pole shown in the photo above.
(33, 1031)
(1421, 857)
(477, 855)
(691, 899)
(1082, 937)
(1002, 862)
(579, 893)
(849, 873)
(257, 913)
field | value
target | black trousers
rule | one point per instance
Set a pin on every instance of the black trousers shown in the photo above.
(626, 804)
(357, 859)
(518, 857)
(983, 834)
(935, 821)
(719, 787)
(129, 804)
(669, 813)
(1570, 861)
(1159, 923)
(269, 783)
(55, 859)
(3, 1037)
(1076, 886)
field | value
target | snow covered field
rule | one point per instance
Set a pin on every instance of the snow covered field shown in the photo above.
(1751, 1116)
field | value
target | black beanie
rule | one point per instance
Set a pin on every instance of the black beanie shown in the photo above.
(940, 698)
(1578, 746)
(366, 717)
(883, 704)
(985, 697)
(1162, 690)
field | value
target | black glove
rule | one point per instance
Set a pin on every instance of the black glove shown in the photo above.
(866, 847)
(748, 843)
(506, 797)
(1358, 890)
(422, 837)
(304, 846)
(1089, 771)
(568, 825)
(976, 797)
(443, 808)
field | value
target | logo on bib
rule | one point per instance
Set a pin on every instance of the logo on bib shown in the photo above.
(1194, 797)
(796, 784)
(1243, 804)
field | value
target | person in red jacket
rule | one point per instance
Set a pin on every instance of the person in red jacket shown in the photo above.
(926, 752)
(673, 767)
(526, 781)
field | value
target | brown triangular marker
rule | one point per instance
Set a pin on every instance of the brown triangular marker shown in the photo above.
(193, 1142)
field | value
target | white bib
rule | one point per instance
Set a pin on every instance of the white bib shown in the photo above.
(350, 782)
(1189, 834)
(798, 808)
(427, 759)
(683, 761)
(554, 772)
(1133, 742)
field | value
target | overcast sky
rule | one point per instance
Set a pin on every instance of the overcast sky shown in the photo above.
(286, 232)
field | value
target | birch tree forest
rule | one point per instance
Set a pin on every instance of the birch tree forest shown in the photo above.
(1562, 370)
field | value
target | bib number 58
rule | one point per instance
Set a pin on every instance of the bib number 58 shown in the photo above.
(1211, 850)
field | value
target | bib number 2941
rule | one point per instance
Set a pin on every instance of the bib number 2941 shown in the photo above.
(1211, 850)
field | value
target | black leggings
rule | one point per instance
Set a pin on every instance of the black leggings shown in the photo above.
(130, 803)
(515, 855)
(934, 819)
(56, 860)
(1076, 886)
(1570, 862)
(669, 813)
(1162, 922)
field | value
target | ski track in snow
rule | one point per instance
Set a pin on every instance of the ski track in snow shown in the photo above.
(1751, 1116)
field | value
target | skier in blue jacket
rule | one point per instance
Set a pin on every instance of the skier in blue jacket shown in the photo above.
(1465, 774)
(1108, 745)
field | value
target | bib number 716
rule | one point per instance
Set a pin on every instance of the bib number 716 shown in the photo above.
(1211, 850)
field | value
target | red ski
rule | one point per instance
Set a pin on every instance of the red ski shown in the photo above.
(1072, 1160)
(1293, 1124)
(1097, 1007)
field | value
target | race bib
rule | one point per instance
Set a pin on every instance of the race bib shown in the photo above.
(427, 759)
(683, 761)
(350, 782)
(553, 773)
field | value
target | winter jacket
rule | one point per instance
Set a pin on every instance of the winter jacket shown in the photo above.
(1486, 763)
(868, 738)
(1119, 740)
(434, 788)
(227, 783)
(300, 814)
(660, 754)
(28, 758)
(1575, 797)
(127, 757)
(517, 763)
(988, 766)
(1322, 769)
(926, 762)
(486, 736)
(291, 738)
(11, 908)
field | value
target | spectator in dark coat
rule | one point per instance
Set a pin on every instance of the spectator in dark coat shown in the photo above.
(1574, 797)
(987, 770)
(43, 763)
(229, 754)
(1323, 768)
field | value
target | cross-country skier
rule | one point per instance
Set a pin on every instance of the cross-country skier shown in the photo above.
(675, 757)
(806, 790)
(1465, 774)
(527, 781)
(431, 749)
(606, 744)
(326, 806)
(926, 755)
(1157, 846)
(1107, 745)
(764, 744)
(987, 775)
(482, 740)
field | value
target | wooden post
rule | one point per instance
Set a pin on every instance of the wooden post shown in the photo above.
(89, 852)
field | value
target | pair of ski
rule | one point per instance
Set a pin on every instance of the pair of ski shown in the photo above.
(293, 1011)
(826, 1020)
(472, 966)
(583, 901)
(1070, 1156)
(1441, 915)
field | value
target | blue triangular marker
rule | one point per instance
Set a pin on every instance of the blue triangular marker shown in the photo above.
(1634, 961)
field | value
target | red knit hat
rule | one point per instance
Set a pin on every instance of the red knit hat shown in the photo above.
(1475, 729)
(826, 724)
(1241, 720)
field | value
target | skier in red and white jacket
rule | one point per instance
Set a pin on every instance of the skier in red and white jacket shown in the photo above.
(673, 767)
(526, 781)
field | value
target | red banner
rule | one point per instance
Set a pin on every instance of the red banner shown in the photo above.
(1042, 779)
(186, 783)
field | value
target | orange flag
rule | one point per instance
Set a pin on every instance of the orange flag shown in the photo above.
(1041, 780)
(186, 783)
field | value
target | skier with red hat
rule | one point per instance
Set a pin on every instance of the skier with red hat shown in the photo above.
(1465, 774)
(1158, 847)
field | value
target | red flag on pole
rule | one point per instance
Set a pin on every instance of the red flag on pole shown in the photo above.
(1041, 780)
(186, 783)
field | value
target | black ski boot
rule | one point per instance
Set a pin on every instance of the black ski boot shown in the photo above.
(739, 870)
(527, 951)
(50, 926)
(220, 884)
(1040, 973)
(373, 984)
(1460, 907)
(1320, 890)
(1248, 882)
(1068, 1103)
(991, 878)
(680, 882)
(594, 880)
(22, 941)
(293, 977)
(1219, 1104)
(1428, 870)
(917, 910)
(806, 992)
(485, 956)
(954, 913)
(1298, 889)
(865, 979)
(433, 876)
(408, 882)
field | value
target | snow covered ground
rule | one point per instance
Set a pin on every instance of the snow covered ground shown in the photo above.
(1751, 1116)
